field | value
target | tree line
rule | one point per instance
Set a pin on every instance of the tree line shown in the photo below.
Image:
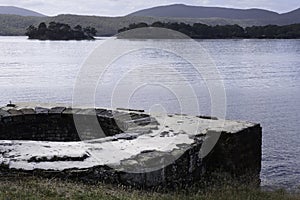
(60, 31)
(203, 31)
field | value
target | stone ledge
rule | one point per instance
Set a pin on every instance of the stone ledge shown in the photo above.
(147, 151)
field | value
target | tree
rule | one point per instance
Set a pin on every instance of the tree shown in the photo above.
(42, 28)
(31, 32)
(157, 24)
(201, 31)
(90, 32)
(78, 28)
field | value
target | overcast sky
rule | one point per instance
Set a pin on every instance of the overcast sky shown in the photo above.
(123, 7)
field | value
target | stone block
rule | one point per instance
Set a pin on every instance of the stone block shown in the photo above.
(40, 110)
(27, 111)
(71, 111)
(15, 112)
(57, 110)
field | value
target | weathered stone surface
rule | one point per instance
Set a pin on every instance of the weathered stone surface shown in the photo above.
(4, 113)
(71, 111)
(57, 110)
(15, 112)
(40, 110)
(27, 111)
(139, 150)
(86, 112)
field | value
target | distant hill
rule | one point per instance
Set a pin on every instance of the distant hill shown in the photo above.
(294, 13)
(107, 26)
(110, 25)
(185, 11)
(16, 25)
(289, 18)
(11, 10)
(263, 17)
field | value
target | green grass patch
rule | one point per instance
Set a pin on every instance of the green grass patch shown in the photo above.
(38, 188)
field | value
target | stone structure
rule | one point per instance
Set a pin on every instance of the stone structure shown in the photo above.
(136, 149)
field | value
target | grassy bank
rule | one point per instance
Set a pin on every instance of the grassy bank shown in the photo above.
(37, 188)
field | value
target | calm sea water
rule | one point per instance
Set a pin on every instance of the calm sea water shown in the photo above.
(261, 80)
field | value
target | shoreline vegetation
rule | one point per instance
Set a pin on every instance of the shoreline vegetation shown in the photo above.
(32, 187)
(203, 31)
(60, 31)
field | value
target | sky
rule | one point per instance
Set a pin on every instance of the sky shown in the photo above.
(124, 7)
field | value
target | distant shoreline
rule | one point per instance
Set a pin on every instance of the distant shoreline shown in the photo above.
(104, 37)
(203, 31)
(107, 37)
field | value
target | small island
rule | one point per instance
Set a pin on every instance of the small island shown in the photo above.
(60, 31)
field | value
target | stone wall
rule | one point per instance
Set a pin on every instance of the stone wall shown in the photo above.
(136, 150)
(57, 123)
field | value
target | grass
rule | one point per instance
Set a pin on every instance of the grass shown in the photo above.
(38, 188)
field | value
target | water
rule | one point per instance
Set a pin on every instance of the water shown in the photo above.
(261, 80)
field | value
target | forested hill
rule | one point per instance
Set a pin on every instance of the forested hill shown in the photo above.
(203, 31)
(107, 26)
(264, 17)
